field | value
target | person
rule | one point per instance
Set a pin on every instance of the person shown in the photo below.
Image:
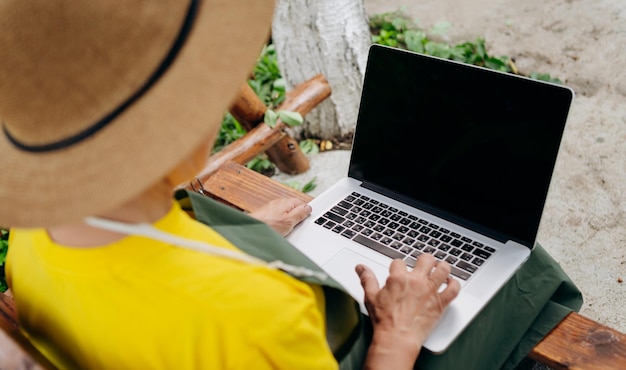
(105, 110)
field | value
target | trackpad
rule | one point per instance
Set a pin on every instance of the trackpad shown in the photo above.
(341, 268)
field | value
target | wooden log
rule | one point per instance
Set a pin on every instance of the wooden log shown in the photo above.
(288, 157)
(286, 153)
(581, 343)
(249, 110)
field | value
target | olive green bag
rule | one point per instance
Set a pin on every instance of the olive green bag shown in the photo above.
(533, 302)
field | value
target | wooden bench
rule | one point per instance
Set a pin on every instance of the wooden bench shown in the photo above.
(576, 343)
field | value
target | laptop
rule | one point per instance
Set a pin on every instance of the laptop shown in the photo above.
(449, 159)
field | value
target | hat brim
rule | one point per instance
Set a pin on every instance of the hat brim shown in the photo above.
(151, 137)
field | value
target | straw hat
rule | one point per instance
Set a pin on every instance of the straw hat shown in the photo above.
(100, 99)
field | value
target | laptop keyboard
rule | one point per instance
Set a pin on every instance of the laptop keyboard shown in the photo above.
(397, 234)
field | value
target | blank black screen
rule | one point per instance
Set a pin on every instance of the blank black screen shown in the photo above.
(479, 146)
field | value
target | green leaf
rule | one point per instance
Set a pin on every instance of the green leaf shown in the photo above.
(270, 118)
(415, 40)
(480, 49)
(290, 118)
(545, 77)
(260, 163)
(279, 84)
(309, 186)
(309, 146)
(497, 64)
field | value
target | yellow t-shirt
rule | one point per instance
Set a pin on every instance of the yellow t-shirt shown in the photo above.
(143, 304)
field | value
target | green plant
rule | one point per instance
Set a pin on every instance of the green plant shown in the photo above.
(268, 83)
(397, 30)
(289, 118)
(230, 130)
(309, 146)
(4, 247)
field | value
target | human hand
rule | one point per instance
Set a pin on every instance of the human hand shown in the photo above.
(283, 214)
(406, 309)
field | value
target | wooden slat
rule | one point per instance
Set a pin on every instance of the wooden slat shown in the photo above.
(581, 343)
(247, 190)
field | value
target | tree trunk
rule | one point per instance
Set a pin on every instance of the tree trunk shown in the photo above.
(330, 37)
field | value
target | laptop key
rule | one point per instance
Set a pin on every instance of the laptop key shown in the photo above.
(344, 204)
(481, 253)
(460, 273)
(386, 240)
(340, 211)
(466, 247)
(338, 229)
(357, 228)
(367, 232)
(466, 266)
(351, 216)
(478, 261)
(335, 217)
(455, 252)
(391, 253)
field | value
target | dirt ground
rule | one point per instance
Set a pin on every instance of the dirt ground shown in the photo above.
(583, 43)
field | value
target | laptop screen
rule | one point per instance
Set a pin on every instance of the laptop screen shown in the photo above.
(474, 146)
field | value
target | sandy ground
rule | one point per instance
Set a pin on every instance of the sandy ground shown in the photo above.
(583, 43)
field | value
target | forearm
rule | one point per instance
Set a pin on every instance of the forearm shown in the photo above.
(391, 351)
